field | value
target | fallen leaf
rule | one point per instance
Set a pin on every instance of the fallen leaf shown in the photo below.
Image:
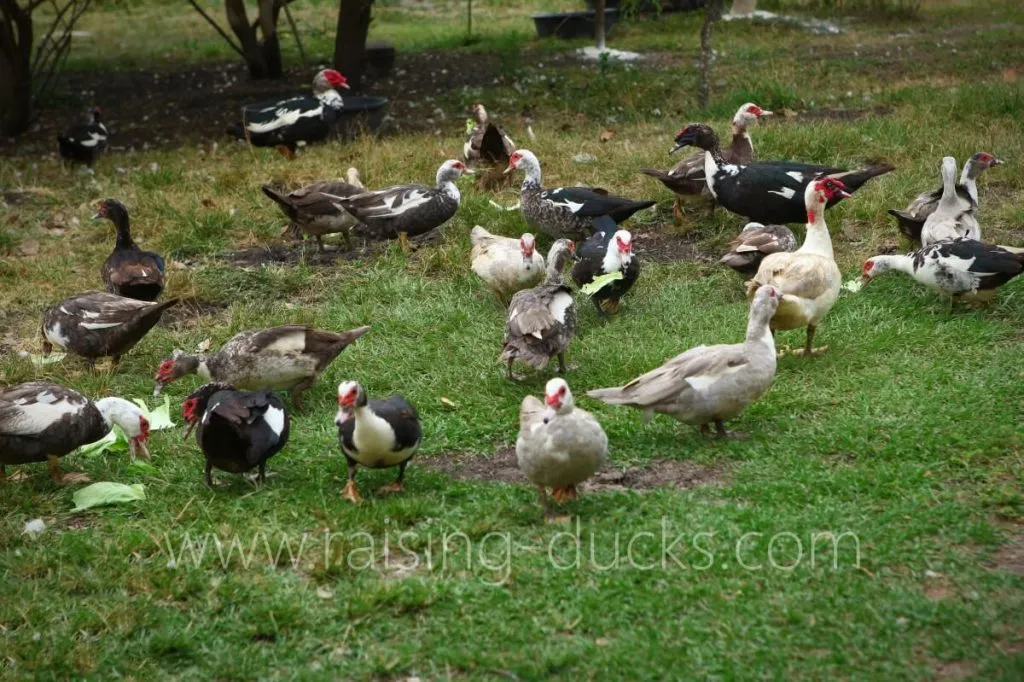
(39, 360)
(602, 641)
(34, 527)
(600, 282)
(77, 477)
(584, 158)
(324, 592)
(204, 345)
(448, 403)
(606, 135)
(1009, 75)
(107, 492)
(207, 202)
(29, 247)
(789, 113)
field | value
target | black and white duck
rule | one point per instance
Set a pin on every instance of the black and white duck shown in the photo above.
(98, 324)
(129, 271)
(485, 140)
(314, 209)
(287, 358)
(607, 251)
(405, 211)
(754, 242)
(43, 421)
(565, 212)
(541, 320)
(912, 218)
(686, 178)
(958, 268)
(378, 434)
(295, 121)
(767, 191)
(83, 142)
(236, 430)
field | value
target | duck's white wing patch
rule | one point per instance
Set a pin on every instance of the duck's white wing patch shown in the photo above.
(28, 419)
(93, 326)
(294, 342)
(560, 302)
(282, 118)
(555, 197)
(785, 192)
(796, 175)
(274, 416)
(701, 382)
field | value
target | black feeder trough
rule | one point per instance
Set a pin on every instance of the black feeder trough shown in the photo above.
(572, 24)
(360, 114)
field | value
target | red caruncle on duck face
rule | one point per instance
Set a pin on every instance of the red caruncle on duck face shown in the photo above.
(513, 161)
(526, 245)
(831, 188)
(336, 79)
(165, 371)
(625, 245)
(143, 430)
(348, 398)
(188, 410)
(555, 399)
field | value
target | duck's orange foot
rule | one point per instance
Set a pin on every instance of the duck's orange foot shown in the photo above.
(393, 487)
(351, 493)
(562, 495)
(285, 151)
(803, 352)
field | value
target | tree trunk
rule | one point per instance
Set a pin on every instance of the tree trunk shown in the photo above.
(714, 11)
(15, 68)
(599, 24)
(262, 58)
(350, 41)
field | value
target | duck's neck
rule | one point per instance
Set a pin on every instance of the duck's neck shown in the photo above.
(124, 235)
(532, 180)
(758, 330)
(614, 260)
(900, 263)
(554, 270)
(817, 240)
(449, 189)
(740, 136)
(969, 177)
(330, 98)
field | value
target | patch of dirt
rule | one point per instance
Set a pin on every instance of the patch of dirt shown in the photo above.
(667, 248)
(503, 468)
(955, 670)
(189, 310)
(1010, 556)
(292, 254)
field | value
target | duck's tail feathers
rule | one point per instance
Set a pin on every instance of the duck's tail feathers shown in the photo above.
(853, 179)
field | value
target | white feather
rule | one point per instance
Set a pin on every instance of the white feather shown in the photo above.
(560, 302)
(290, 343)
(31, 419)
(274, 417)
(282, 118)
(796, 175)
(92, 326)
(785, 192)
(701, 382)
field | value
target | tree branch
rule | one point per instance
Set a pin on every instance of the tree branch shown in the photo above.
(295, 32)
(219, 30)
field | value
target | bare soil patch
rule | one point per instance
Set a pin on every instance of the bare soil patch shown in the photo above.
(503, 468)
(660, 247)
(1010, 557)
(189, 310)
(955, 670)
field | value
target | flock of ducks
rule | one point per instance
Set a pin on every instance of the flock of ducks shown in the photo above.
(240, 422)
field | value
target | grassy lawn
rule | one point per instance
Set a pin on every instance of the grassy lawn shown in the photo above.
(904, 441)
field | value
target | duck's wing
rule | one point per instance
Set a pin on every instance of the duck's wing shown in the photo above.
(31, 408)
(388, 203)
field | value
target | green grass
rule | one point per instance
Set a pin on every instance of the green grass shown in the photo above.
(906, 435)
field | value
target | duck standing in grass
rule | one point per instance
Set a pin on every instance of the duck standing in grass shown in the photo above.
(808, 278)
(83, 142)
(953, 217)
(405, 211)
(565, 212)
(314, 209)
(708, 384)
(506, 265)
(958, 268)
(686, 178)
(559, 445)
(754, 242)
(767, 192)
(541, 320)
(42, 421)
(237, 431)
(287, 358)
(485, 140)
(129, 271)
(379, 434)
(97, 324)
(296, 121)
(606, 252)
(912, 218)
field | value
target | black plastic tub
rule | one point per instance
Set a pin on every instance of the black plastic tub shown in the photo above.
(360, 115)
(572, 24)
(380, 58)
(651, 6)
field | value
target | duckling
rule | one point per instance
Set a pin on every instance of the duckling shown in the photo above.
(129, 271)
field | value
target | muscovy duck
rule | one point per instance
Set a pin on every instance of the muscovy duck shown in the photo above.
(541, 320)
(565, 212)
(98, 324)
(405, 211)
(755, 242)
(953, 217)
(808, 279)
(506, 265)
(83, 142)
(129, 271)
(958, 268)
(559, 445)
(708, 384)
(911, 219)
(686, 178)
(237, 431)
(375, 433)
(606, 251)
(767, 191)
(295, 121)
(314, 211)
(486, 141)
(42, 421)
(287, 358)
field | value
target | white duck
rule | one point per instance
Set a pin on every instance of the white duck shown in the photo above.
(954, 216)
(506, 265)
(559, 445)
(808, 278)
(708, 383)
